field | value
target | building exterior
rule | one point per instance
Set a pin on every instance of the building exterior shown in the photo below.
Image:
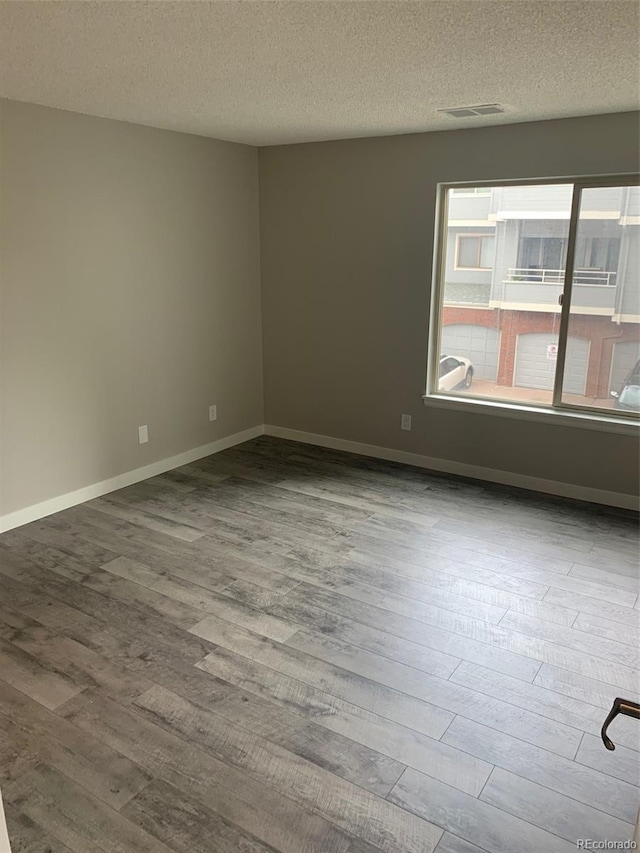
(506, 250)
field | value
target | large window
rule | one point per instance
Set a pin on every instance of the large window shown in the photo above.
(544, 311)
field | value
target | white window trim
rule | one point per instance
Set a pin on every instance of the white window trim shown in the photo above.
(520, 412)
(562, 414)
(457, 266)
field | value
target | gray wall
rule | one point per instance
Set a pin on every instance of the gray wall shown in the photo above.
(130, 295)
(130, 286)
(346, 244)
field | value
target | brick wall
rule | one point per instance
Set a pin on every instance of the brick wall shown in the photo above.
(471, 316)
(599, 330)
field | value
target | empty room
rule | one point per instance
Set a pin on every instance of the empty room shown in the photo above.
(319, 426)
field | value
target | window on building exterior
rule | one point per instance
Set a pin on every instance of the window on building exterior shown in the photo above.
(508, 324)
(598, 253)
(539, 253)
(471, 191)
(475, 251)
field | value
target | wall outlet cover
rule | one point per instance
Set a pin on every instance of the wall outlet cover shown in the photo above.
(405, 422)
(143, 434)
(213, 413)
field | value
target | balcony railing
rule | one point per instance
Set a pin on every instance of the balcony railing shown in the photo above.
(599, 278)
(541, 290)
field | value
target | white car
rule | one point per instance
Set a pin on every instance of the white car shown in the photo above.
(454, 372)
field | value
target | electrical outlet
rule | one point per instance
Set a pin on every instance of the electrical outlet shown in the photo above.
(143, 434)
(405, 422)
(213, 413)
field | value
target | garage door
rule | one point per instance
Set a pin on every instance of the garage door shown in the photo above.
(625, 356)
(477, 343)
(534, 368)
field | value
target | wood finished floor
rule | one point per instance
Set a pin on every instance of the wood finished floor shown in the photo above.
(286, 648)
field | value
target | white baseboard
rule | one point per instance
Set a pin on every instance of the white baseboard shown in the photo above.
(96, 490)
(476, 472)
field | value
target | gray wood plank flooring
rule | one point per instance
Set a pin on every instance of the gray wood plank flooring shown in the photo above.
(288, 648)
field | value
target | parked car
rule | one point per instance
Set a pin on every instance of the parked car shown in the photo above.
(454, 372)
(628, 397)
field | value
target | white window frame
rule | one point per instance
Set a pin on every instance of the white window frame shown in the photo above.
(461, 235)
(558, 412)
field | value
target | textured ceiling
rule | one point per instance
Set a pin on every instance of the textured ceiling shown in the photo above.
(267, 72)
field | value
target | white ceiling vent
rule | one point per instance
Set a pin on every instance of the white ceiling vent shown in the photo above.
(478, 110)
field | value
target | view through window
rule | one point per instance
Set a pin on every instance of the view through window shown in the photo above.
(502, 294)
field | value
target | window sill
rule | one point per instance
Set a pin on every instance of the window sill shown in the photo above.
(473, 269)
(564, 417)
